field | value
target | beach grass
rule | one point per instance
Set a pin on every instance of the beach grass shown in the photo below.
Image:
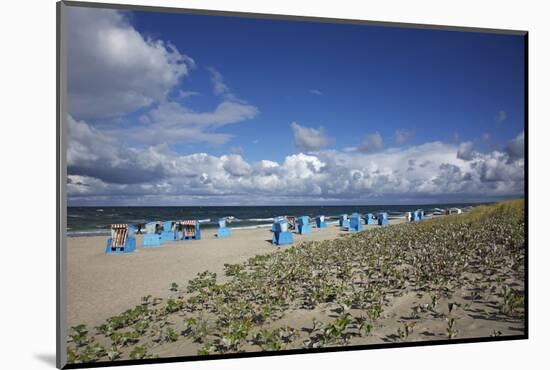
(459, 276)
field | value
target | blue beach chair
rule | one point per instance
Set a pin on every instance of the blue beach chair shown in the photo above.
(122, 239)
(355, 224)
(151, 238)
(303, 225)
(343, 221)
(223, 230)
(169, 231)
(191, 230)
(383, 219)
(320, 222)
(369, 219)
(281, 235)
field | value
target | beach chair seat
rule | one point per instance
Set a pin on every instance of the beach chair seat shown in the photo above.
(121, 240)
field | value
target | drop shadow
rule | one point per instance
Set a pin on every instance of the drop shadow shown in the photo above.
(46, 358)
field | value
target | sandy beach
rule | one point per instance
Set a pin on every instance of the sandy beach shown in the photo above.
(443, 278)
(100, 285)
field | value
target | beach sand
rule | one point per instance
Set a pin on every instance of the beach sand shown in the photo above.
(100, 285)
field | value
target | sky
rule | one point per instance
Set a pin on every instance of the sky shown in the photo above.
(178, 109)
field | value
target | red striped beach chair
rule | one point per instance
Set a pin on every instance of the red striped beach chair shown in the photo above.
(121, 240)
(190, 230)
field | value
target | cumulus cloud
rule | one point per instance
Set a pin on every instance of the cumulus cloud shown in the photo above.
(516, 147)
(173, 122)
(403, 136)
(112, 69)
(94, 154)
(309, 138)
(327, 176)
(372, 143)
(465, 151)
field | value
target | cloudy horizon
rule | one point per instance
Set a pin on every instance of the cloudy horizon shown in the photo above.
(174, 109)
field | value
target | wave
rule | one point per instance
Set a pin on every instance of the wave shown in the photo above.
(261, 226)
(260, 219)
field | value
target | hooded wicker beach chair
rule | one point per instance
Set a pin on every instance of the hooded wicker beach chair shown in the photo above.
(303, 225)
(122, 239)
(223, 231)
(383, 219)
(152, 237)
(190, 230)
(355, 223)
(169, 231)
(369, 219)
(343, 220)
(281, 235)
(320, 221)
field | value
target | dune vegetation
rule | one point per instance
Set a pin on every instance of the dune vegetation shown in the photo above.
(459, 276)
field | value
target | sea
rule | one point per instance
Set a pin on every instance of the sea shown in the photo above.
(89, 221)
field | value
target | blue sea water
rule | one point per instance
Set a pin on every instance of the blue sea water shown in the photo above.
(97, 220)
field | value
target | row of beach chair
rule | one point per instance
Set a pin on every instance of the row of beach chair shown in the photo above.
(283, 225)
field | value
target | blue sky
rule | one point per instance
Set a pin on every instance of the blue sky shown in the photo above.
(357, 99)
(436, 83)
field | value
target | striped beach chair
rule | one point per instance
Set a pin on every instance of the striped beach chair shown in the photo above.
(191, 230)
(121, 240)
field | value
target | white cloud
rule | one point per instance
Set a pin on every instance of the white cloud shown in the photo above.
(309, 138)
(516, 147)
(403, 136)
(219, 86)
(315, 92)
(156, 175)
(186, 94)
(501, 116)
(465, 151)
(112, 69)
(235, 165)
(372, 143)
